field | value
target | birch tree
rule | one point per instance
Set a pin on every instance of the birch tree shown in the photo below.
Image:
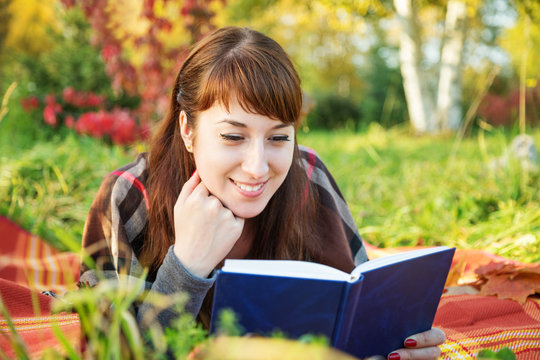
(432, 110)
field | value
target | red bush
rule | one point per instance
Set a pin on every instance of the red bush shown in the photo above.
(30, 103)
(503, 110)
(85, 113)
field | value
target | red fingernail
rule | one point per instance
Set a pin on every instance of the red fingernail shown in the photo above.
(394, 356)
(410, 343)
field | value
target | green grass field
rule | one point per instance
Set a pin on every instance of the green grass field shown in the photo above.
(407, 190)
(401, 189)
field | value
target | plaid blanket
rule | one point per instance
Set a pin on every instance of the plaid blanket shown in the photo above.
(473, 323)
(27, 260)
(31, 317)
(28, 265)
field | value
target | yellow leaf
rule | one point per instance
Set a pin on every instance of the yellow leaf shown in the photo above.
(30, 23)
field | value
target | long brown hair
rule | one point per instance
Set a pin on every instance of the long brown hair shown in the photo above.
(247, 64)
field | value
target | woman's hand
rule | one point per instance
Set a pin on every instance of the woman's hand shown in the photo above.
(205, 231)
(422, 346)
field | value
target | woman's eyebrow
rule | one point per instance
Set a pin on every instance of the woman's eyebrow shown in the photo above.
(233, 123)
(242, 125)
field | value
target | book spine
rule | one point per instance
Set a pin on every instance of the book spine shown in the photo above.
(345, 317)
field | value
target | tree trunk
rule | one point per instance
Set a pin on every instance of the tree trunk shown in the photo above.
(449, 112)
(430, 114)
(419, 99)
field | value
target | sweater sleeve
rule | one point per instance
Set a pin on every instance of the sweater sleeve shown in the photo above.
(174, 278)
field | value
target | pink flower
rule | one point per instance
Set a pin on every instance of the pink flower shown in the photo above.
(50, 99)
(94, 100)
(109, 51)
(70, 122)
(83, 123)
(68, 94)
(30, 103)
(124, 130)
(49, 115)
(94, 125)
(79, 99)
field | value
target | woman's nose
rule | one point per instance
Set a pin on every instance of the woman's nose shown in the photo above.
(255, 163)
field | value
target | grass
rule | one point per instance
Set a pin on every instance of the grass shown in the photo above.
(401, 189)
(405, 190)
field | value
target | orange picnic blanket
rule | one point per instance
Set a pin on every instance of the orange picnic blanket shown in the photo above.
(473, 323)
(29, 261)
(28, 265)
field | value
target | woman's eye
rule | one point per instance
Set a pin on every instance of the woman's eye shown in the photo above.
(280, 138)
(229, 137)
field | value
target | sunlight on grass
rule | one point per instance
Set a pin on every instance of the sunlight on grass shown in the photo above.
(404, 190)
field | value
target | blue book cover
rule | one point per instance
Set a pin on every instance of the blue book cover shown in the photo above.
(368, 312)
(398, 299)
(293, 305)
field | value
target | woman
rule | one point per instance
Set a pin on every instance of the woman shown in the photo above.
(225, 179)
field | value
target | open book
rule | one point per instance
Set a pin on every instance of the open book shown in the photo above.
(367, 312)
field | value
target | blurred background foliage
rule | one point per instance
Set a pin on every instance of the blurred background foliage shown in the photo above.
(347, 53)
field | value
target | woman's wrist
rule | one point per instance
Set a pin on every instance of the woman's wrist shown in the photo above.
(191, 266)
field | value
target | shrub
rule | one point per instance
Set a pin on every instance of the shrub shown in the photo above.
(501, 108)
(85, 112)
(334, 112)
(382, 99)
(69, 80)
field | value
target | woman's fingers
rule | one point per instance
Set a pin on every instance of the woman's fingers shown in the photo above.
(427, 353)
(421, 346)
(200, 191)
(432, 337)
(188, 187)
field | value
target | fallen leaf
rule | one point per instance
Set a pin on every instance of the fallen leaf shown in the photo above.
(495, 268)
(530, 269)
(456, 273)
(516, 286)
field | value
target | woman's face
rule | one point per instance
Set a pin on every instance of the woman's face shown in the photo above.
(242, 158)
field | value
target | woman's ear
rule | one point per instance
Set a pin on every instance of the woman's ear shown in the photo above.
(186, 131)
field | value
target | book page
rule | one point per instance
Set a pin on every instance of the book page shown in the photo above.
(288, 268)
(392, 259)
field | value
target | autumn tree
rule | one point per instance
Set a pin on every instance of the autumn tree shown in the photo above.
(144, 42)
(431, 110)
(523, 43)
(435, 102)
(30, 24)
(5, 17)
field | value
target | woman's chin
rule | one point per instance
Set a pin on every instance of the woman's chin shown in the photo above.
(246, 213)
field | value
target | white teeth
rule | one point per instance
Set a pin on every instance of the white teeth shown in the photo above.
(248, 187)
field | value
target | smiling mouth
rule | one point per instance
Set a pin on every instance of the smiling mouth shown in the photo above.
(249, 188)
